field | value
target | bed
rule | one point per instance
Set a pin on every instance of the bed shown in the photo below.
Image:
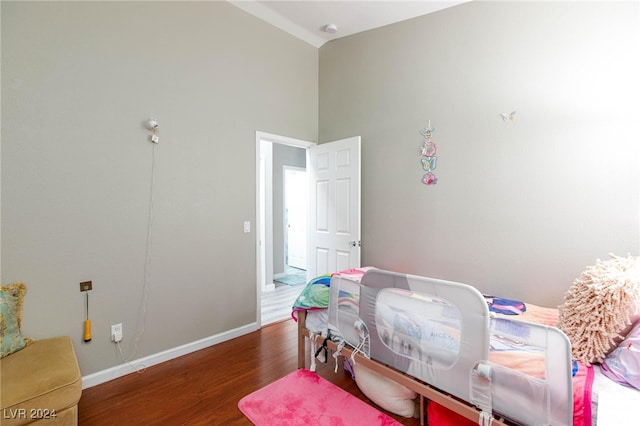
(491, 360)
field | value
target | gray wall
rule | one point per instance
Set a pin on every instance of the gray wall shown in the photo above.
(283, 155)
(78, 81)
(520, 209)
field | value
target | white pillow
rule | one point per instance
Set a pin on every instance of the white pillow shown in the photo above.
(388, 394)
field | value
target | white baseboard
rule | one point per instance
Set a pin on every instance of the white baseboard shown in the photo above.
(127, 368)
(269, 287)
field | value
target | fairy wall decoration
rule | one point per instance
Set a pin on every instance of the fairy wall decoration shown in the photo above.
(429, 159)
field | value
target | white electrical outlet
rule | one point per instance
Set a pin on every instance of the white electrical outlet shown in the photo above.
(116, 333)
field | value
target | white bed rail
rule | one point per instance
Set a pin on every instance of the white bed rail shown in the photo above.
(440, 332)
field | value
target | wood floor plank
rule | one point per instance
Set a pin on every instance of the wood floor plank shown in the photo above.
(204, 387)
(276, 304)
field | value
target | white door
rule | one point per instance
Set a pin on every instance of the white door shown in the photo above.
(295, 201)
(334, 206)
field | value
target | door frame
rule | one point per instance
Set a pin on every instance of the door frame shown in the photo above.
(261, 220)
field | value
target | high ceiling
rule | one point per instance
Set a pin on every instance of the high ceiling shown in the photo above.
(306, 19)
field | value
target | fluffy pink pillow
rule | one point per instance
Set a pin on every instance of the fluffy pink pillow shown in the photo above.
(600, 307)
(623, 364)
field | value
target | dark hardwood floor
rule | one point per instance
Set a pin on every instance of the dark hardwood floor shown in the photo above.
(204, 387)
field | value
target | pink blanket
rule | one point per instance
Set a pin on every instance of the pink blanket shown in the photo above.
(582, 383)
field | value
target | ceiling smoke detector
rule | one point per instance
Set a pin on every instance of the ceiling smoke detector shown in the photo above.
(330, 28)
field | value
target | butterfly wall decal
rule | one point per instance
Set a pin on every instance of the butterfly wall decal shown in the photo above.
(428, 132)
(429, 163)
(508, 117)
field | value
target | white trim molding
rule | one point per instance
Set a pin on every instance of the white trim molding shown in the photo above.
(131, 367)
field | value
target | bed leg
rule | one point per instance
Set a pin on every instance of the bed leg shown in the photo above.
(302, 316)
(421, 410)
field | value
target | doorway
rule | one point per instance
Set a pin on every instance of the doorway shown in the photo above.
(295, 218)
(281, 223)
(333, 238)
